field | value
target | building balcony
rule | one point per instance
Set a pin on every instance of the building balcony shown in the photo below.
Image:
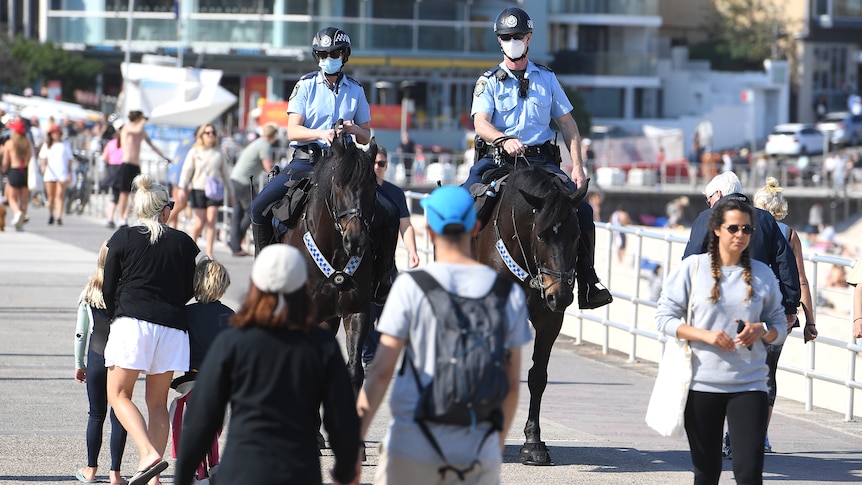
(605, 64)
(604, 7)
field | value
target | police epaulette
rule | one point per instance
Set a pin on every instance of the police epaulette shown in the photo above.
(542, 66)
(354, 80)
(309, 75)
(490, 72)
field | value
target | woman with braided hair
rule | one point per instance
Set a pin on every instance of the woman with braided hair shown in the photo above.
(735, 312)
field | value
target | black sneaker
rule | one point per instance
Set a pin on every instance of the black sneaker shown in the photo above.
(111, 225)
(51, 221)
(593, 296)
(59, 222)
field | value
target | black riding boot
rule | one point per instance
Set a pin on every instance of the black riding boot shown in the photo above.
(263, 236)
(591, 292)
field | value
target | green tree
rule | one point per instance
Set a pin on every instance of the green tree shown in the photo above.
(47, 62)
(740, 33)
(579, 111)
(12, 73)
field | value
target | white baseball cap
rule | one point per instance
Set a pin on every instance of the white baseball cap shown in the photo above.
(279, 268)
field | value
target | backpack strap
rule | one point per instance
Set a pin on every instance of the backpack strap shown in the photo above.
(443, 308)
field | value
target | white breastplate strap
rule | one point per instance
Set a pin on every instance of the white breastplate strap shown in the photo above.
(323, 264)
(509, 262)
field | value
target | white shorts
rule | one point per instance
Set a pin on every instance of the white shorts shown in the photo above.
(148, 347)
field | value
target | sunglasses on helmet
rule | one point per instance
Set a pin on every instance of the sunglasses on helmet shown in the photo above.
(508, 37)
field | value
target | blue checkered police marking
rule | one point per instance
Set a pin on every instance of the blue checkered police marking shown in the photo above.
(509, 262)
(318, 258)
(352, 265)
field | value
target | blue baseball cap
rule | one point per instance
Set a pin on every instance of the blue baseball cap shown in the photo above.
(447, 205)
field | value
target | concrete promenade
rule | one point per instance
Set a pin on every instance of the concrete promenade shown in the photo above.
(592, 417)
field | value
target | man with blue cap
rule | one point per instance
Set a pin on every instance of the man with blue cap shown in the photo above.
(408, 320)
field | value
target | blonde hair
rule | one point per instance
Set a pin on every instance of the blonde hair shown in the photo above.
(21, 147)
(150, 200)
(92, 293)
(211, 280)
(769, 198)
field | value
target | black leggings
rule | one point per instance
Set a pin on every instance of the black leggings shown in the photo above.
(746, 421)
(97, 392)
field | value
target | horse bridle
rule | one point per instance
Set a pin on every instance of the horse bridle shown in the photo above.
(535, 280)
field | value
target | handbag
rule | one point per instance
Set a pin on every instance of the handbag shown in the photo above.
(214, 188)
(666, 409)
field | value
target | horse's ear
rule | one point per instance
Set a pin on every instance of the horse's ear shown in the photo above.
(338, 145)
(578, 195)
(372, 148)
(536, 202)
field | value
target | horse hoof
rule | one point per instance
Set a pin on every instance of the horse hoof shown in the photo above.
(535, 454)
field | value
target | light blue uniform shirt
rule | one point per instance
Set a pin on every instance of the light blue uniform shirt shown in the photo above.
(322, 107)
(527, 118)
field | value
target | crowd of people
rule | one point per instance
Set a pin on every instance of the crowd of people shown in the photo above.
(734, 297)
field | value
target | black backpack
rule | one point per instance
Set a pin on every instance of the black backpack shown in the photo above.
(470, 381)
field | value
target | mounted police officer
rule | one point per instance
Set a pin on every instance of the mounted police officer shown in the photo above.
(317, 102)
(513, 105)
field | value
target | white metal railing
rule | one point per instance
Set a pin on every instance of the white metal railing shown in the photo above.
(628, 322)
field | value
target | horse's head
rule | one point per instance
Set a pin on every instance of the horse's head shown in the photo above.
(352, 186)
(553, 236)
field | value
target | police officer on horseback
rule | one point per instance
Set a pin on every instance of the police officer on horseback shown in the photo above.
(318, 101)
(513, 105)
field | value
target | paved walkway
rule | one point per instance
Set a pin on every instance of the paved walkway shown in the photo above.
(592, 416)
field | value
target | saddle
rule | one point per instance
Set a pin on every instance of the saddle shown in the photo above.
(487, 192)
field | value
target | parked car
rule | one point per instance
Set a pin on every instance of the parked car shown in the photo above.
(794, 139)
(843, 128)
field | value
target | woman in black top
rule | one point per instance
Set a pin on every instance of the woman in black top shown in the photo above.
(275, 367)
(149, 273)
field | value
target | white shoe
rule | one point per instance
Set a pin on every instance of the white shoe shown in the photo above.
(18, 220)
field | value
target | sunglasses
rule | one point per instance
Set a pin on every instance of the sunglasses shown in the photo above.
(508, 37)
(709, 197)
(333, 54)
(170, 205)
(208, 133)
(747, 229)
(381, 164)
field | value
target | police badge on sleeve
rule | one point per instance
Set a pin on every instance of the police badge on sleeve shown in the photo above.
(480, 87)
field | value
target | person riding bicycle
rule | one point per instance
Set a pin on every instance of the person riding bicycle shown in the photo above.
(513, 105)
(318, 101)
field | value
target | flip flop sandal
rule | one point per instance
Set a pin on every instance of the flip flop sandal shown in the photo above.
(141, 477)
(81, 478)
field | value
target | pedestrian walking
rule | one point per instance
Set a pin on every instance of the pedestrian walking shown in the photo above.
(255, 158)
(149, 275)
(735, 312)
(132, 137)
(205, 182)
(423, 451)
(56, 166)
(17, 152)
(275, 367)
(91, 335)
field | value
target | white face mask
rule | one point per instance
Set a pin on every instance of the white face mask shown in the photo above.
(330, 65)
(513, 49)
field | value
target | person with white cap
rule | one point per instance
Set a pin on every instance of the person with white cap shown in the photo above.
(275, 367)
(408, 322)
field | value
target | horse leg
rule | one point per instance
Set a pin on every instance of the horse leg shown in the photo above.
(355, 330)
(534, 451)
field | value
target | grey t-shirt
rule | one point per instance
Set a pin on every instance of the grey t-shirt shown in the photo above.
(407, 315)
(714, 369)
(249, 162)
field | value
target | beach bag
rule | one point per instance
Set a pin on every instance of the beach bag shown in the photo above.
(666, 410)
(214, 188)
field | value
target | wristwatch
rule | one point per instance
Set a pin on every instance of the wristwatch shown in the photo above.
(765, 327)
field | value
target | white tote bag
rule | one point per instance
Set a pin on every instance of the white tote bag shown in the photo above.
(666, 410)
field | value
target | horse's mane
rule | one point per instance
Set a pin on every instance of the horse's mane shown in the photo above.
(539, 183)
(351, 170)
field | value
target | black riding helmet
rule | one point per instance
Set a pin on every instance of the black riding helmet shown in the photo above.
(513, 20)
(331, 39)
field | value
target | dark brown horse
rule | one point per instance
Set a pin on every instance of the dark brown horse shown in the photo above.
(334, 234)
(532, 238)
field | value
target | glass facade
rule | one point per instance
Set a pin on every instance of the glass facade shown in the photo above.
(604, 7)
